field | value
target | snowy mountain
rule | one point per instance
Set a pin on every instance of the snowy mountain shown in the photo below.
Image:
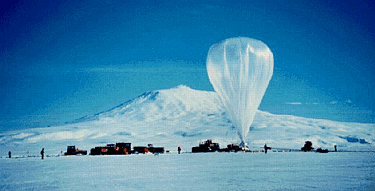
(184, 117)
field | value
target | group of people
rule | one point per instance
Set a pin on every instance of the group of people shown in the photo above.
(41, 152)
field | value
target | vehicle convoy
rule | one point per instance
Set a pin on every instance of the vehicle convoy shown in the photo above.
(125, 149)
(204, 147)
(71, 150)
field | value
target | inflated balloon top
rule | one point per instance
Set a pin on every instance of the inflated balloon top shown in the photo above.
(240, 70)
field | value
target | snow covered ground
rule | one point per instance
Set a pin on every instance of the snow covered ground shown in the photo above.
(187, 171)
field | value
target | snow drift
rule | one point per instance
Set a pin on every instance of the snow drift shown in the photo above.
(183, 117)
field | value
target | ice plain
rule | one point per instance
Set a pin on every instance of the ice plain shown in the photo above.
(188, 171)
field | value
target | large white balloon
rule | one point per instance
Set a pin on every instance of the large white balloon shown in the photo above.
(240, 70)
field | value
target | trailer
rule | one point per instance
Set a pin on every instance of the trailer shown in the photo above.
(232, 148)
(149, 149)
(154, 150)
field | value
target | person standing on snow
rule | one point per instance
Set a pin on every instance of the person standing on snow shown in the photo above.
(42, 153)
(266, 148)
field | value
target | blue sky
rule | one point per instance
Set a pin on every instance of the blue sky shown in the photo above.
(61, 60)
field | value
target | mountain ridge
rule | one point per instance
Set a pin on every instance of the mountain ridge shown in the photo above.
(182, 96)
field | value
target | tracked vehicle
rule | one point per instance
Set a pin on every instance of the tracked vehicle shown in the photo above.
(206, 146)
(112, 149)
(71, 150)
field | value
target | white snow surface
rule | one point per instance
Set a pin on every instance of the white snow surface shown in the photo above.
(184, 117)
(187, 171)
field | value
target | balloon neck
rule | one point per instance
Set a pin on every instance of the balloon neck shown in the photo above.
(243, 145)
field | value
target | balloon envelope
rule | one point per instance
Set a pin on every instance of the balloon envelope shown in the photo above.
(240, 69)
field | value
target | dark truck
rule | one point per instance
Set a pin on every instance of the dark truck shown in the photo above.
(149, 149)
(112, 149)
(206, 146)
(232, 148)
(71, 150)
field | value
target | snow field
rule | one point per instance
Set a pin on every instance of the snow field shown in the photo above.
(210, 171)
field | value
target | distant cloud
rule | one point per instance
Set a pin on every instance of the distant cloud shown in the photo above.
(300, 103)
(124, 70)
(333, 102)
(293, 103)
(348, 101)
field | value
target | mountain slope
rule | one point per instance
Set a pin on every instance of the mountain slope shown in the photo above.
(183, 117)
